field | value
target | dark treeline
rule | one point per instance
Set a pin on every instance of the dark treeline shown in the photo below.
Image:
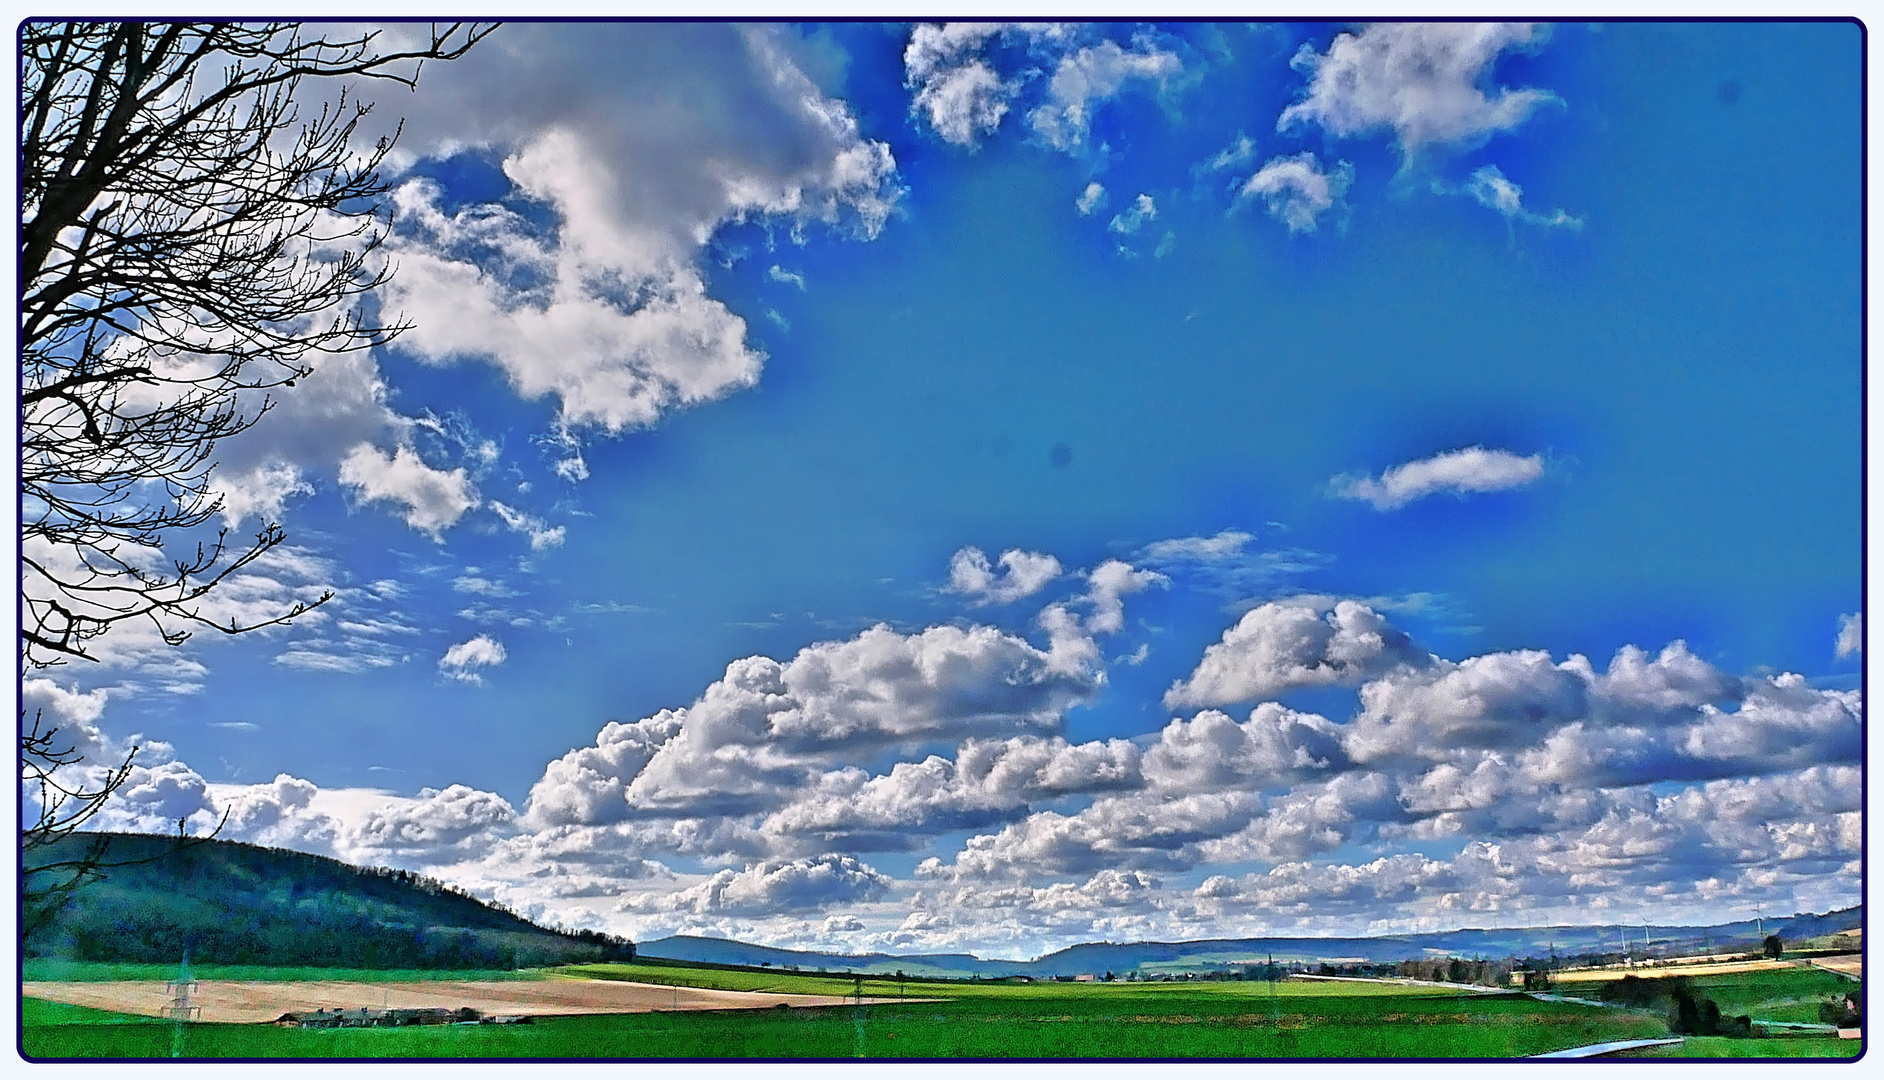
(1454, 969)
(229, 903)
(1690, 1011)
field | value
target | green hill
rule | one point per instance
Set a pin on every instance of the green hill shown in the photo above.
(232, 903)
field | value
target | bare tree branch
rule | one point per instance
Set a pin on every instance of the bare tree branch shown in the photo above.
(191, 236)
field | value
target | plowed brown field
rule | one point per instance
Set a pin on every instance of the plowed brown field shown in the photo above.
(260, 1002)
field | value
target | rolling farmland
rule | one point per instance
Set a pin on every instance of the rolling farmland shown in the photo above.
(960, 1020)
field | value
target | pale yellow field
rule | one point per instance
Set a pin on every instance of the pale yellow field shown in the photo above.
(1725, 968)
(261, 1002)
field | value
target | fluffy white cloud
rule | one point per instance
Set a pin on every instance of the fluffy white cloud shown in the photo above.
(1297, 190)
(1023, 573)
(68, 714)
(959, 90)
(1473, 469)
(542, 535)
(1089, 76)
(1306, 890)
(1421, 80)
(1091, 199)
(1133, 217)
(1782, 724)
(1496, 701)
(1546, 766)
(1276, 746)
(1491, 189)
(437, 825)
(1225, 545)
(365, 826)
(1132, 832)
(1850, 636)
(332, 423)
(606, 308)
(773, 887)
(434, 499)
(757, 736)
(1308, 820)
(1283, 645)
(987, 781)
(1563, 724)
(956, 89)
(1107, 586)
(463, 660)
(154, 799)
(261, 492)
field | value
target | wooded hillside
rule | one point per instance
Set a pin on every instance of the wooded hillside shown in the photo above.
(232, 903)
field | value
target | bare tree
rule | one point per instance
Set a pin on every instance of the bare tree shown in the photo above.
(191, 236)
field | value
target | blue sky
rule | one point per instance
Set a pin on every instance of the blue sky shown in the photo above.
(1323, 447)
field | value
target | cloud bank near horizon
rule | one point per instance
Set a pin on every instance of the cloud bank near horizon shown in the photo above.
(1512, 784)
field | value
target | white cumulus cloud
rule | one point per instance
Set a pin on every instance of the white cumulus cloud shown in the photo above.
(961, 93)
(1459, 472)
(1421, 80)
(463, 660)
(1091, 75)
(1850, 635)
(434, 499)
(1133, 217)
(1297, 190)
(1281, 646)
(1022, 574)
(605, 307)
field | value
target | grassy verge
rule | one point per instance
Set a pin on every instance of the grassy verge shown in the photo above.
(37, 1013)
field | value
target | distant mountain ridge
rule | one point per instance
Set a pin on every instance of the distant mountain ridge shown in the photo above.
(232, 903)
(1150, 956)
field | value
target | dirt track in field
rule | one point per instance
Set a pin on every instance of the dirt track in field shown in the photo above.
(261, 1002)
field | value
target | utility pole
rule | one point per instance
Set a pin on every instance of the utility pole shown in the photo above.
(179, 1008)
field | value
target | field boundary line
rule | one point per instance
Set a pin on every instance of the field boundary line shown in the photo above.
(1600, 1049)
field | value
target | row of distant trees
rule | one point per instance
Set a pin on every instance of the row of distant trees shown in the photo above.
(1455, 969)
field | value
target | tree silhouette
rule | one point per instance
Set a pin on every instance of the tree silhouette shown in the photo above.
(190, 235)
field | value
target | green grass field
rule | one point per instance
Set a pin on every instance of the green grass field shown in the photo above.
(975, 1020)
(1050, 1020)
(1792, 996)
(1708, 1046)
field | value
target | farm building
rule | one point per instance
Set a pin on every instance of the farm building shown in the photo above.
(339, 1018)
